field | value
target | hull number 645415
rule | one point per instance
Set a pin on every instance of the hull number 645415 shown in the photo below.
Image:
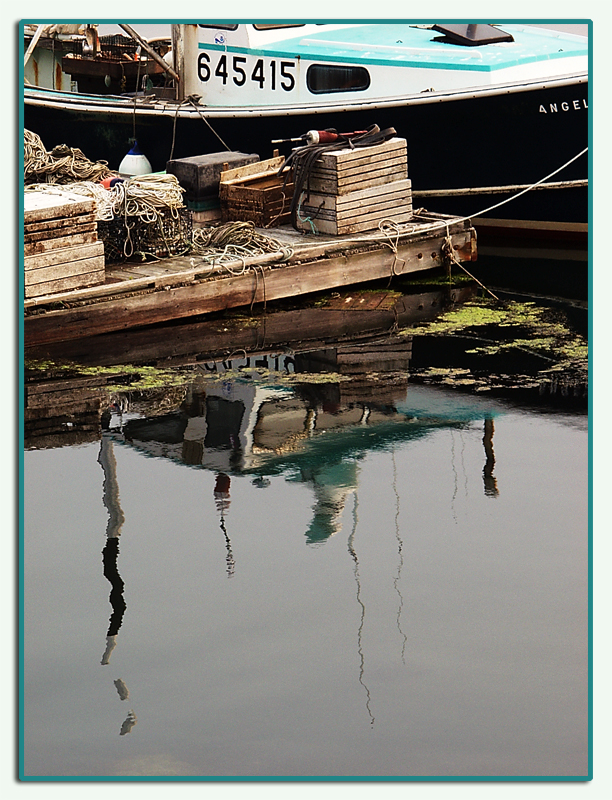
(265, 73)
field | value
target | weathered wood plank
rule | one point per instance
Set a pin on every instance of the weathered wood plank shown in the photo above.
(352, 224)
(41, 206)
(259, 194)
(355, 182)
(401, 205)
(60, 242)
(360, 199)
(252, 172)
(55, 226)
(335, 159)
(66, 270)
(367, 164)
(63, 255)
(71, 282)
(255, 286)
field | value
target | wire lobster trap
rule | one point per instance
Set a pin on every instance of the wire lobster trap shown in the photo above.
(170, 234)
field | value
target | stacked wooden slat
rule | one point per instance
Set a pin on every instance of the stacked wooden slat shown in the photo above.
(256, 193)
(353, 190)
(61, 247)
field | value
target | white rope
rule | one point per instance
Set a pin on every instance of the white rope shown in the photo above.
(410, 228)
(103, 198)
(146, 196)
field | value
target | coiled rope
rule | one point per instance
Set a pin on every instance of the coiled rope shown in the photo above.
(62, 165)
(148, 199)
(223, 245)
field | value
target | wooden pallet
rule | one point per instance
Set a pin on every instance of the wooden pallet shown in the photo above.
(357, 211)
(339, 172)
(61, 247)
(256, 193)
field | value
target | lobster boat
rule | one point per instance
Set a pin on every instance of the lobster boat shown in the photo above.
(496, 116)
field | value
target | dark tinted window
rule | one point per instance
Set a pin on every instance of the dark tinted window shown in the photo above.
(220, 27)
(323, 78)
(274, 27)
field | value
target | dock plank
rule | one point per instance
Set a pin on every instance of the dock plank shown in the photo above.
(73, 240)
(64, 270)
(63, 204)
(265, 283)
(70, 282)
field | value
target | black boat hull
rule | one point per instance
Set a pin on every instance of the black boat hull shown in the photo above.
(511, 138)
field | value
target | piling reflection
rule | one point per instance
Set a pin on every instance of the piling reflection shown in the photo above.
(490, 482)
(351, 549)
(400, 561)
(222, 501)
(110, 552)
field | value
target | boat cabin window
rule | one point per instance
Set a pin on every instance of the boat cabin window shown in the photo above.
(220, 27)
(276, 27)
(325, 78)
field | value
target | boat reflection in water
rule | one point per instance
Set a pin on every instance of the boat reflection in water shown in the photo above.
(314, 432)
(362, 589)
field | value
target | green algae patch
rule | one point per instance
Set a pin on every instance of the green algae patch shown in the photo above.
(113, 379)
(440, 280)
(502, 330)
(477, 314)
(270, 377)
(520, 326)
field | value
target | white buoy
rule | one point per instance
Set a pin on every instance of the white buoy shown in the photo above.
(135, 162)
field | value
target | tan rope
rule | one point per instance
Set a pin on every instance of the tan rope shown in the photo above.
(62, 165)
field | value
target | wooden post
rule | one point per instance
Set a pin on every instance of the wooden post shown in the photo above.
(33, 43)
(147, 47)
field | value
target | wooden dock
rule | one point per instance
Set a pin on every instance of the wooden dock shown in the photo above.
(135, 294)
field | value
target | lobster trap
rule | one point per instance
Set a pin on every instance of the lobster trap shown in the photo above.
(170, 234)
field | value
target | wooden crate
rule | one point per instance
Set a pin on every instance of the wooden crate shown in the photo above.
(61, 247)
(255, 193)
(339, 172)
(357, 211)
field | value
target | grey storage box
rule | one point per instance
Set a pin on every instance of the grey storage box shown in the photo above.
(199, 175)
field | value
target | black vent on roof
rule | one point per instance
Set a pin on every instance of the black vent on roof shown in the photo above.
(471, 35)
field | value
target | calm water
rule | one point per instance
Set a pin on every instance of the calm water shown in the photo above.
(279, 580)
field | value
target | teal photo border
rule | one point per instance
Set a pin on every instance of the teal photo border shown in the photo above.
(20, 572)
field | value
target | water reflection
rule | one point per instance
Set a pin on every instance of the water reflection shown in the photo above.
(222, 501)
(490, 482)
(367, 591)
(351, 549)
(238, 428)
(110, 553)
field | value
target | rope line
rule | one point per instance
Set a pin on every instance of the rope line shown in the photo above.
(62, 165)
(192, 99)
